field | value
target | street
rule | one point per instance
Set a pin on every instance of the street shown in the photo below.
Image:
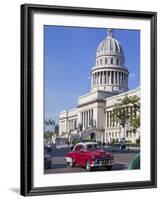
(59, 165)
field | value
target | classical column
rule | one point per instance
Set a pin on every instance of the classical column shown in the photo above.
(81, 118)
(92, 116)
(110, 77)
(84, 118)
(96, 78)
(101, 78)
(73, 124)
(88, 118)
(117, 78)
(107, 114)
(122, 78)
(113, 77)
(105, 77)
(109, 118)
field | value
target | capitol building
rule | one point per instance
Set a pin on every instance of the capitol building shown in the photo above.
(91, 119)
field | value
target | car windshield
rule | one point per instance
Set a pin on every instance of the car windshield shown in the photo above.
(92, 146)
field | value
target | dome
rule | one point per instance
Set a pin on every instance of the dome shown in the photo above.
(109, 46)
(109, 72)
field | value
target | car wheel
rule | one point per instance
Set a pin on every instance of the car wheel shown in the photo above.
(88, 166)
(109, 167)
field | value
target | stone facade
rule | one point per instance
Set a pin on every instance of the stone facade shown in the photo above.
(109, 81)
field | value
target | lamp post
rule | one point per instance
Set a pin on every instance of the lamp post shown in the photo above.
(69, 137)
(80, 130)
(103, 135)
(124, 123)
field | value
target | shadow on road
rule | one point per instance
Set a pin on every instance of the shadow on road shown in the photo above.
(115, 167)
(58, 166)
(62, 168)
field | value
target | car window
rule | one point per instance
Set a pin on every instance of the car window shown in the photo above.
(89, 146)
(78, 147)
(92, 146)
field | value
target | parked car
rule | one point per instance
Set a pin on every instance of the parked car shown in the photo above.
(47, 160)
(89, 155)
(48, 147)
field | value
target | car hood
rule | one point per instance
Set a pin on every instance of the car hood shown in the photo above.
(99, 153)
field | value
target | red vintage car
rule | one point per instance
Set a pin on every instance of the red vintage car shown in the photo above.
(89, 155)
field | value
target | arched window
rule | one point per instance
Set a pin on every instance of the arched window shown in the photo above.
(105, 60)
(100, 61)
(111, 60)
(117, 62)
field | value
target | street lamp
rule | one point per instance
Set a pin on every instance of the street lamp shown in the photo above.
(80, 126)
(124, 122)
(69, 133)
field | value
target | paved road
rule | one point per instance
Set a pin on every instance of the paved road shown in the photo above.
(121, 161)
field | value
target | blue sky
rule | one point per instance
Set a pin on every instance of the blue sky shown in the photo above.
(69, 56)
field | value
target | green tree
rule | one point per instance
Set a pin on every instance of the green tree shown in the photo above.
(51, 128)
(122, 114)
(56, 129)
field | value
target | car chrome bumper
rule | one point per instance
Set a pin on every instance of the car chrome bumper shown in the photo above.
(101, 163)
(68, 159)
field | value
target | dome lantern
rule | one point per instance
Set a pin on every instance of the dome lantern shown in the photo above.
(110, 32)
